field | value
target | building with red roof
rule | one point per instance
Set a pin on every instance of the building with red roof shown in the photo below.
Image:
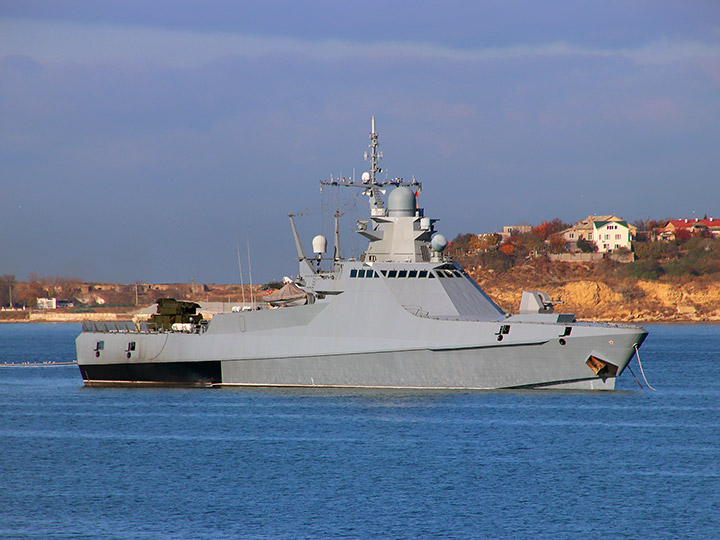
(694, 226)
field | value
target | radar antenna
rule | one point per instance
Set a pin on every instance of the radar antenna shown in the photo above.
(370, 185)
(375, 156)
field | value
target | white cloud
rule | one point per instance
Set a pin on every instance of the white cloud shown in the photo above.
(51, 41)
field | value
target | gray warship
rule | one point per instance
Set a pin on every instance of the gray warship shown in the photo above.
(402, 315)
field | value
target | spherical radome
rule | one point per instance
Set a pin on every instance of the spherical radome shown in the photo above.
(401, 202)
(438, 242)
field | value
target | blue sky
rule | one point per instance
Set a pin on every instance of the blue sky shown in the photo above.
(142, 141)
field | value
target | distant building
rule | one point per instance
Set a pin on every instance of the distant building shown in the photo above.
(710, 226)
(47, 303)
(513, 230)
(608, 233)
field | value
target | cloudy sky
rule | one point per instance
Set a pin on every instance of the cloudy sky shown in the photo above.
(145, 141)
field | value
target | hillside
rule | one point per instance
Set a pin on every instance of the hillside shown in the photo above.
(675, 280)
(593, 294)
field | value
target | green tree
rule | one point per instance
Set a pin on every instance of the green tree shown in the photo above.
(586, 246)
(6, 283)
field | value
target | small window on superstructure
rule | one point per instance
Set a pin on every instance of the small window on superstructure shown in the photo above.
(440, 273)
(422, 274)
(353, 273)
(402, 273)
(384, 273)
(412, 273)
(458, 273)
(392, 273)
(361, 273)
(375, 274)
(369, 273)
(431, 275)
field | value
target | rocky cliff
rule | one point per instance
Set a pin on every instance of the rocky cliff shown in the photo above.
(593, 298)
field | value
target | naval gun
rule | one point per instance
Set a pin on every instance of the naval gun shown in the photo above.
(172, 312)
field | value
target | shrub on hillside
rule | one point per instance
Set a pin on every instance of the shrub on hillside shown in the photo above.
(655, 250)
(497, 261)
(644, 269)
(702, 256)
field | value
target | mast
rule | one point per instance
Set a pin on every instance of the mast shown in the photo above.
(374, 155)
(336, 255)
(242, 283)
(252, 296)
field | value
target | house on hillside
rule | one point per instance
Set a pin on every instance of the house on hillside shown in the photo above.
(514, 230)
(693, 226)
(608, 233)
(612, 235)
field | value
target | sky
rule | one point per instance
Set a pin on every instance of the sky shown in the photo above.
(166, 141)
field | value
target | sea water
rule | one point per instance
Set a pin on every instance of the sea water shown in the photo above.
(114, 463)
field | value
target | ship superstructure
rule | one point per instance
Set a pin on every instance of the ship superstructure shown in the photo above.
(402, 316)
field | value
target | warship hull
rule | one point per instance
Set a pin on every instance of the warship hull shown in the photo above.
(531, 355)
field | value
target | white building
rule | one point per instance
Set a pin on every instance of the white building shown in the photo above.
(608, 233)
(47, 303)
(611, 235)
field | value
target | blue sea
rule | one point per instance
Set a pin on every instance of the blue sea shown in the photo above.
(117, 463)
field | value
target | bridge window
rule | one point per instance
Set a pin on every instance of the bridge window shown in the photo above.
(361, 273)
(422, 273)
(369, 273)
(392, 273)
(402, 273)
(412, 273)
(353, 273)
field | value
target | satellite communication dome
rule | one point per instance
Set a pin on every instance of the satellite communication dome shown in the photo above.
(319, 244)
(401, 202)
(365, 177)
(438, 242)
